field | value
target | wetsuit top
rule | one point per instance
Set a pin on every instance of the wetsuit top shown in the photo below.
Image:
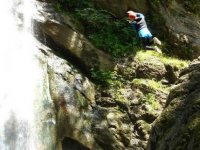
(139, 23)
(140, 26)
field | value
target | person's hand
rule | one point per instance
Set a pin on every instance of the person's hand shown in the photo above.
(130, 21)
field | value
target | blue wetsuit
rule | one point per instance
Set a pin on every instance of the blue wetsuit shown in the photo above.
(139, 24)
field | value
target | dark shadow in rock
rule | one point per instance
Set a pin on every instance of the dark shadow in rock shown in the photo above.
(70, 144)
(58, 50)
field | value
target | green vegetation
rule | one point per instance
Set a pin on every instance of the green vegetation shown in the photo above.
(145, 126)
(120, 97)
(194, 128)
(104, 30)
(107, 78)
(100, 77)
(180, 64)
(72, 5)
(150, 97)
(83, 103)
(151, 100)
(151, 84)
(108, 33)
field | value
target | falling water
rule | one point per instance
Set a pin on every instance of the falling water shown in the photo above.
(19, 75)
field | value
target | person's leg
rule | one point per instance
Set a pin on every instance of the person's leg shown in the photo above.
(157, 49)
(147, 43)
(157, 41)
(144, 43)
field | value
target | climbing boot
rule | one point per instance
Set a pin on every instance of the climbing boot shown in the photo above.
(157, 49)
(157, 41)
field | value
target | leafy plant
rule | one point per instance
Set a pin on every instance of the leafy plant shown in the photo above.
(71, 5)
(108, 33)
(100, 77)
(105, 31)
(151, 100)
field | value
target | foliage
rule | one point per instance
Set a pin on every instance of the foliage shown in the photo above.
(108, 33)
(120, 97)
(156, 86)
(100, 77)
(151, 100)
(107, 78)
(114, 36)
(71, 5)
(83, 103)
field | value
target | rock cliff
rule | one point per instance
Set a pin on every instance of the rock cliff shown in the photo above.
(178, 125)
(121, 115)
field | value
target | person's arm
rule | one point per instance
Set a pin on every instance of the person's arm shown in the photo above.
(139, 17)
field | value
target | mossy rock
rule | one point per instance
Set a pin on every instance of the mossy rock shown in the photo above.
(178, 127)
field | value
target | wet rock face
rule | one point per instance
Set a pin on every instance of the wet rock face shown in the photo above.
(73, 96)
(78, 117)
(178, 125)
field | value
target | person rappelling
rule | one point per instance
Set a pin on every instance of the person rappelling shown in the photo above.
(138, 22)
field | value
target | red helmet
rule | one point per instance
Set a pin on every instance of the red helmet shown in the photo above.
(131, 15)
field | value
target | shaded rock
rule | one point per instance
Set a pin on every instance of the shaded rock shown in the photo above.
(105, 121)
(73, 97)
(182, 27)
(70, 144)
(171, 74)
(116, 124)
(126, 70)
(151, 68)
(143, 128)
(78, 116)
(178, 125)
(106, 102)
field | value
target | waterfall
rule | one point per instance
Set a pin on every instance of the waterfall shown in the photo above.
(21, 77)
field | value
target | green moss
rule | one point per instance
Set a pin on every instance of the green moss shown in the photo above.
(83, 102)
(154, 85)
(151, 101)
(180, 64)
(128, 71)
(194, 125)
(190, 134)
(165, 122)
(120, 96)
(101, 77)
(146, 126)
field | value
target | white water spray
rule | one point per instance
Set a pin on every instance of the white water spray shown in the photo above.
(19, 76)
